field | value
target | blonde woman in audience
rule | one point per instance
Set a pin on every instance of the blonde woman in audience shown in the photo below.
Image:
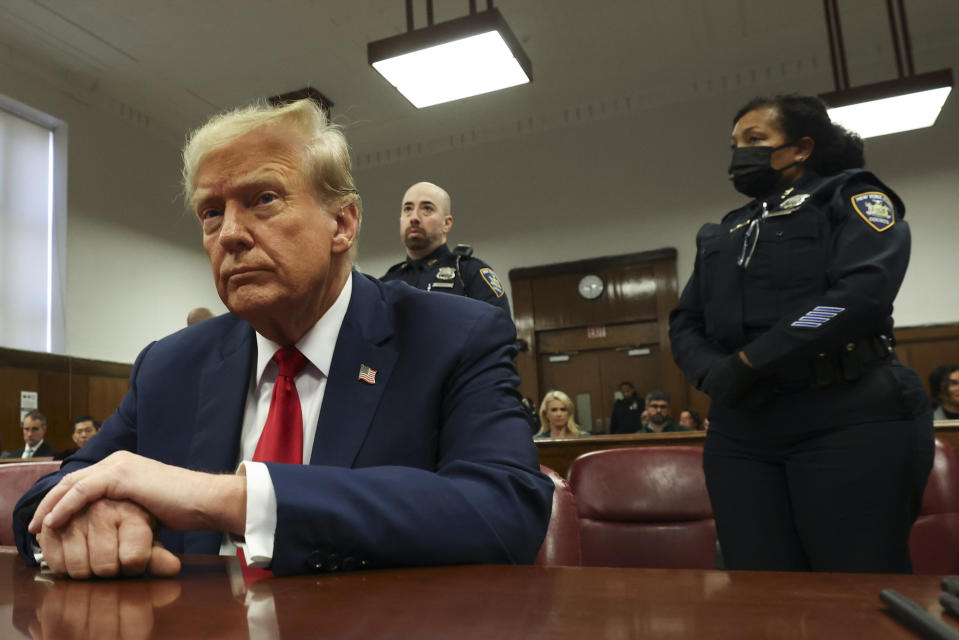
(556, 415)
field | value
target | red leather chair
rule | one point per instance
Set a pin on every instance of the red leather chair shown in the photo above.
(934, 543)
(561, 547)
(15, 479)
(644, 507)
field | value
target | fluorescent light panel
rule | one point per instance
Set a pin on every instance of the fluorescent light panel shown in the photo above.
(459, 69)
(464, 57)
(904, 104)
(892, 115)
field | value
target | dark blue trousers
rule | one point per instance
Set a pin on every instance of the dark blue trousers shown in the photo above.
(792, 493)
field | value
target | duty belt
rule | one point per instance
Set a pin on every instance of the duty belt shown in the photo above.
(827, 368)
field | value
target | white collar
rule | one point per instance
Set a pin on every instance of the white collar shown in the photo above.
(317, 344)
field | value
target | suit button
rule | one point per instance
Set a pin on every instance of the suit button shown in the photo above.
(315, 561)
(851, 346)
(332, 563)
(350, 564)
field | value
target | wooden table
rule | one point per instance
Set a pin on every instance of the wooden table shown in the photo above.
(488, 602)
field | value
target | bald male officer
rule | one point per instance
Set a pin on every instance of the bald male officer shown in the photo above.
(425, 219)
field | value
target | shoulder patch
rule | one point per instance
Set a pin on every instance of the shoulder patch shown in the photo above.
(875, 208)
(490, 277)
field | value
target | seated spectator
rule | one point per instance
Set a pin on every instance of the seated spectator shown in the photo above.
(556, 415)
(84, 428)
(944, 386)
(690, 419)
(34, 429)
(627, 411)
(660, 420)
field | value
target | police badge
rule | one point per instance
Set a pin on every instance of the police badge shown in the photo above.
(794, 202)
(446, 273)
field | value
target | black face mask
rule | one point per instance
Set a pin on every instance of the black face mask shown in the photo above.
(751, 172)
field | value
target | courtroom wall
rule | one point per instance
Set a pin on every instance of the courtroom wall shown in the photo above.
(135, 265)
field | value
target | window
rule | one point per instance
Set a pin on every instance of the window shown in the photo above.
(32, 228)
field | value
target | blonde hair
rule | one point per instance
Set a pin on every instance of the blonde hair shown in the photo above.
(571, 425)
(326, 159)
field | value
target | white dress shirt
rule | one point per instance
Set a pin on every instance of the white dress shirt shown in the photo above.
(28, 451)
(317, 345)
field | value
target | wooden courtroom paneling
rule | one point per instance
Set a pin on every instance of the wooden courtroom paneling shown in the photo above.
(12, 382)
(526, 334)
(54, 389)
(629, 296)
(67, 387)
(925, 348)
(578, 339)
(105, 395)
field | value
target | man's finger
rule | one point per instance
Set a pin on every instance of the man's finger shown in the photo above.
(52, 546)
(163, 563)
(135, 542)
(49, 501)
(76, 556)
(102, 541)
(84, 491)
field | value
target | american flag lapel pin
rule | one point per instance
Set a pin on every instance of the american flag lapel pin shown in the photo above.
(367, 374)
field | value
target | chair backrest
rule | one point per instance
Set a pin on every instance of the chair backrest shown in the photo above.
(561, 547)
(15, 479)
(934, 542)
(644, 507)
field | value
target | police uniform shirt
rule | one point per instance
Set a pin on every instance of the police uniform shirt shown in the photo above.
(438, 272)
(822, 262)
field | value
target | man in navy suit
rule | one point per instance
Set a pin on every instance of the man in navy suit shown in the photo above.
(415, 448)
(34, 431)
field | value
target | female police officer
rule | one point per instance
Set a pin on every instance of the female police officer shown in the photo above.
(820, 441)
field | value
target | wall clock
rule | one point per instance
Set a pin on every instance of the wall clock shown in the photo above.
(591, 286)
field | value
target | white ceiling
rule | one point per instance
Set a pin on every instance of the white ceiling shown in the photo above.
(167, 64)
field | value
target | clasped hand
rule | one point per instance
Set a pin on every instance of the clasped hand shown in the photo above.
(729, 380)
(101, 520)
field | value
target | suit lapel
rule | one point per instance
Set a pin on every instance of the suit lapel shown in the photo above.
(222, 400)
(348, 402)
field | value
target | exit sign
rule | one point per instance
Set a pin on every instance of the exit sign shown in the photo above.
(596, 332)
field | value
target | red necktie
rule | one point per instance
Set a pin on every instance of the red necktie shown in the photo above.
(282, 437)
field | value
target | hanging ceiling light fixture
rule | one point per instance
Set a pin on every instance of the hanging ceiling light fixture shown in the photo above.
(438, 63)
(909, 102)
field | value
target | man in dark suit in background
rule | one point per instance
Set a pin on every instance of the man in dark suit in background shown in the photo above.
(374, 424)
(627, 411)
(34, 431)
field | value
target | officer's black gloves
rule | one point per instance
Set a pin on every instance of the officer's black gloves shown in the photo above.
(728, 381)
